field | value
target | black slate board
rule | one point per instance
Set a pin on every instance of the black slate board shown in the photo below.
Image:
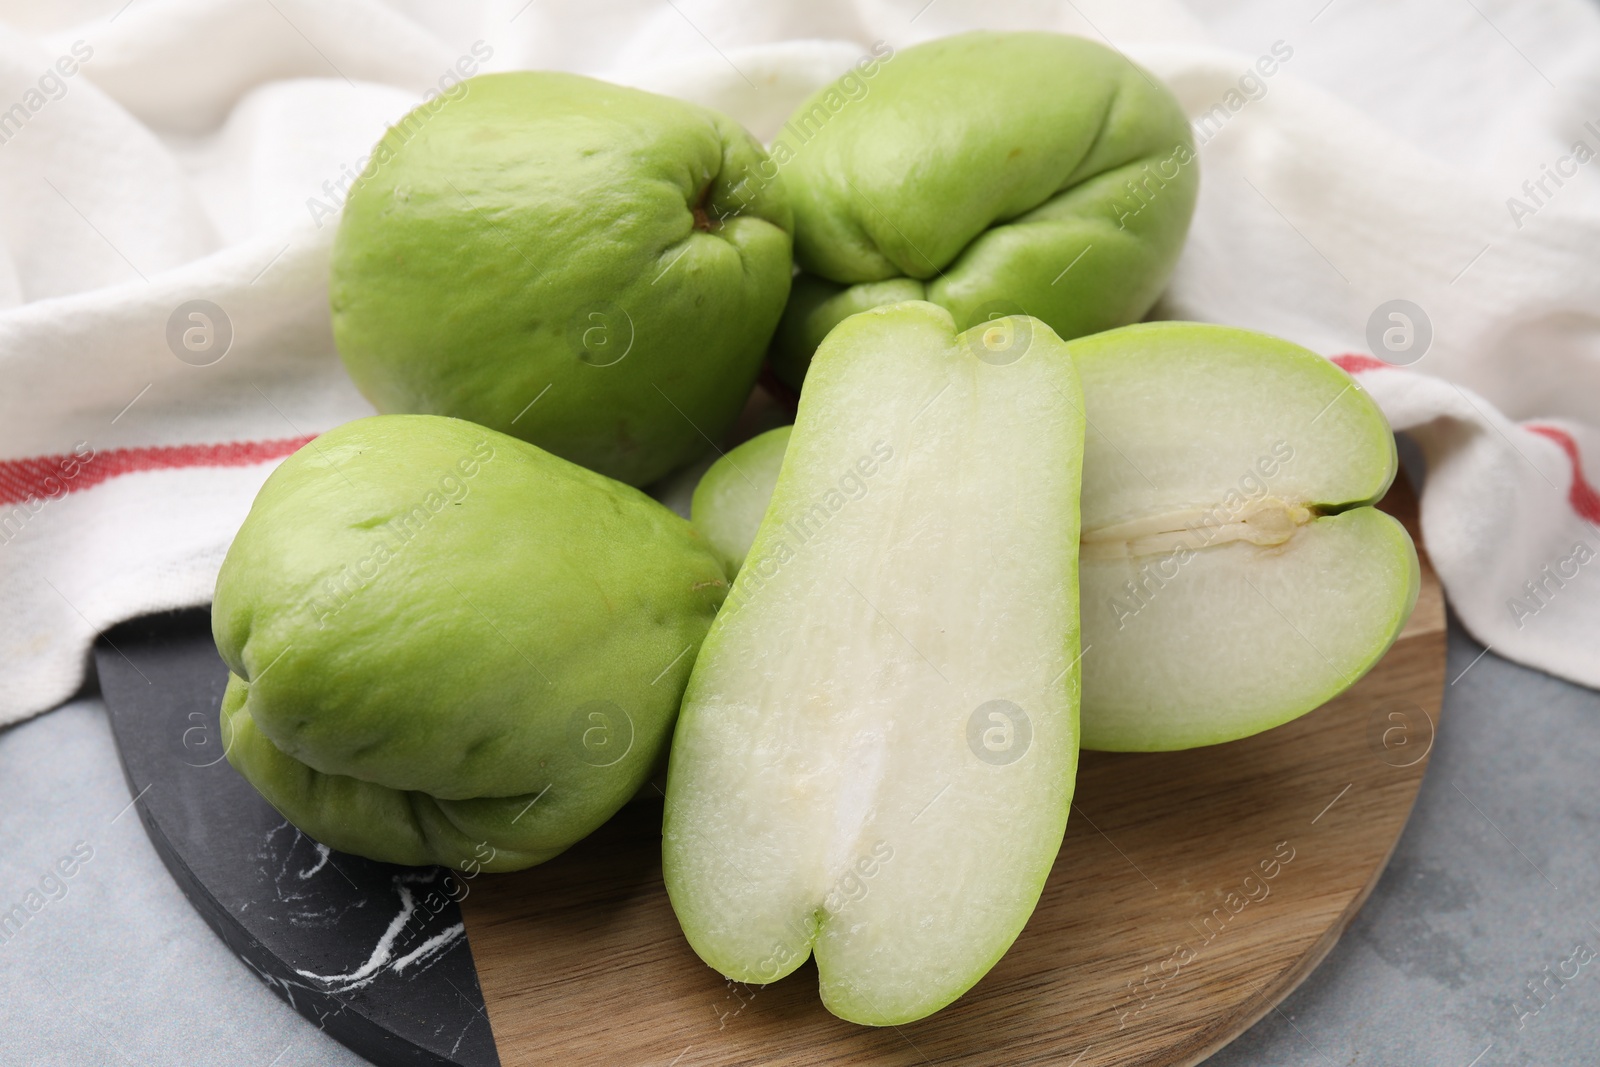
(373, 953)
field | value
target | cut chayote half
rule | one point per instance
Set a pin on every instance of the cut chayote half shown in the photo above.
(566, 261)
(875, 760)
(992, 174)
(1234, 573)
(449, 646)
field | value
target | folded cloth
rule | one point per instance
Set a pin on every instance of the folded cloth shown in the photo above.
(171, 173)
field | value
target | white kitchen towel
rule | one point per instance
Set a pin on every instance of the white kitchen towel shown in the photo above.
(171, 173)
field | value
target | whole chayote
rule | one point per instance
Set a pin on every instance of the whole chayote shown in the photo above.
(992, 174)
(449, 646)
(731, 497)
(566, 261)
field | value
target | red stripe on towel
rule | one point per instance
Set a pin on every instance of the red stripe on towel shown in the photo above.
(47, 477)
(1582, 496)
(1354, 364)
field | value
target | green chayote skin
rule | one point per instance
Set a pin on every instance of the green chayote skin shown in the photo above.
(449, 646)
(566, 261)
(992, 174)
(731, 498)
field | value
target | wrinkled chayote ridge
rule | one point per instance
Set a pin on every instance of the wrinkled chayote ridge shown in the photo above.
(566, 261)
(992, 174)
(449, 646)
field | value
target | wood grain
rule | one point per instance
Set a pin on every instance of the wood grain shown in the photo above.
(1193, 892)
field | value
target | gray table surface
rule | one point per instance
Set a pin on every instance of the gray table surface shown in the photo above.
(1496, 879)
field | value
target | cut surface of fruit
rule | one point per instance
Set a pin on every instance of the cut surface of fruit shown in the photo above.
(1234, 575)
(874, 759)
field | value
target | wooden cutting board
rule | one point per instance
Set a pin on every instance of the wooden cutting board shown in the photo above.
(1193, 892)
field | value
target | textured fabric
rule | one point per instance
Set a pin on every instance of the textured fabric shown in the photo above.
(162, 152)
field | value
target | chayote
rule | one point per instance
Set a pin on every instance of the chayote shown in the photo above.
(992, 174)
(732, 496)
(449, 646)
(566, 261)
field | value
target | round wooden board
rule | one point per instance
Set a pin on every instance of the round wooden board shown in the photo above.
(1193, 892)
